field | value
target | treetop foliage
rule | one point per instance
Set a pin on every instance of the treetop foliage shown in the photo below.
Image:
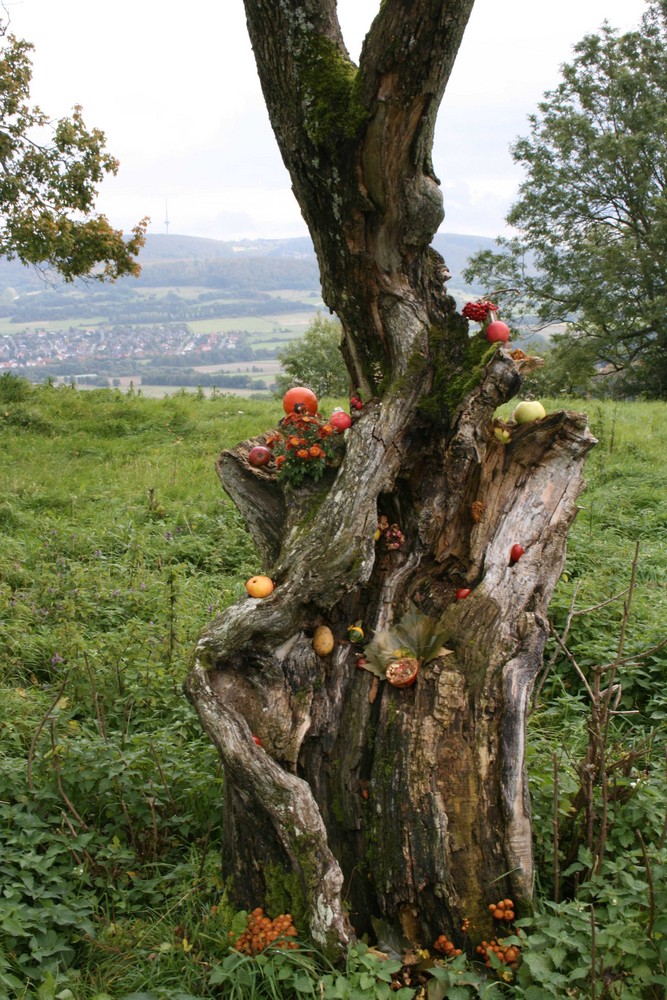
(49, 175)
(315, 360)
(592, 211)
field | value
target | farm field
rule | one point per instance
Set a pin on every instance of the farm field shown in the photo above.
(117, 546)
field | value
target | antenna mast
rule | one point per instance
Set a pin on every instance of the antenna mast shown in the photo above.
(166, 214)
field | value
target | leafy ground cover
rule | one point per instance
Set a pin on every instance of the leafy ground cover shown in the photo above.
(116, 546)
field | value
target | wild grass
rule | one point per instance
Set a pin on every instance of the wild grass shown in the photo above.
(117, 545)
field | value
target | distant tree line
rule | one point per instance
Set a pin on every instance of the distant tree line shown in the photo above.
(190, 377)
(53, 306)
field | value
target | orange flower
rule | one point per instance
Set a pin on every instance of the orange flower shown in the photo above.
(316, 451)
(302, 453)
(326, 430)
(294, 441)
(279, 460)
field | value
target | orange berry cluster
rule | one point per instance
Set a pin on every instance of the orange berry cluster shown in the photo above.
(504, 910)
(446, 946)
(262, 932)
(507, 955)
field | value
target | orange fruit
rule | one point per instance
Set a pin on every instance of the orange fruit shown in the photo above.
(259, 586)
(301, 397)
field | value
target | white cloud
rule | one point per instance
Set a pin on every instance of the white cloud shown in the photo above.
(175, 89)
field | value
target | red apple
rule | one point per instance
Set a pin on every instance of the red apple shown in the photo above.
(340, 420)
(259, 455)
(257, 740)
(497, 332)
(516, 552)
(462, 593)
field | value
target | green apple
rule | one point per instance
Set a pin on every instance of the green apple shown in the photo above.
(528, 410)
(502, 435)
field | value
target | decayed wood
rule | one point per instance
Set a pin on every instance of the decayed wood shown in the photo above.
(410, 805)
(442, 765)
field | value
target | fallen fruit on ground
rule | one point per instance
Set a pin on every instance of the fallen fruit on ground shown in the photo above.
(259, 586)
(528, 410)
(300, 400)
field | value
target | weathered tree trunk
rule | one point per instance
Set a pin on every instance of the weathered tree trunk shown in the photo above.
(366, 801)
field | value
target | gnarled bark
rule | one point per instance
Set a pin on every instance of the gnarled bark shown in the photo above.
(363, 800)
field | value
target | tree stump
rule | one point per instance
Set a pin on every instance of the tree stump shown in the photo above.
(365, 802)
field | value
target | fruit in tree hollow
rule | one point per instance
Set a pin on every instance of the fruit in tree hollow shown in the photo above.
(502, 435)
(528, 410)
(323, 640)
(497, 332)
(340, 420)
(259, 455)
(402, 672)
(259, 586)
(462, 593)
(355, 633)
(516, 552)
(299, 400)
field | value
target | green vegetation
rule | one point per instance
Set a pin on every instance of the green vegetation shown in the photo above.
(315, 360)
(591, 216)
(332, 104)
(117, 545)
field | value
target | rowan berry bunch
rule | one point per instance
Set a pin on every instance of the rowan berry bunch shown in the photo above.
(478, 311)
(302, 448)
(262, 932)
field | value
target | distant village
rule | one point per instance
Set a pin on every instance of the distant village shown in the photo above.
(43, 347)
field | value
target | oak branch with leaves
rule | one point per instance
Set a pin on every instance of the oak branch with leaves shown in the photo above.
(49, 176)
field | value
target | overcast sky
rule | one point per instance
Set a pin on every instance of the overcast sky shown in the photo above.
(174, 87)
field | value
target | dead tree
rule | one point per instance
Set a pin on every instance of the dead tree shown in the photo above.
(364, 800)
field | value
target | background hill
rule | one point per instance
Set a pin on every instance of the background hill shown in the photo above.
(178, 260)
(202, 312)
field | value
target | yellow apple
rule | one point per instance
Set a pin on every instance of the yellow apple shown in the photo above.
(528, 410)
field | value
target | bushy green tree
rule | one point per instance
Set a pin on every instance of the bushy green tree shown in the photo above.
(316, 360)
(592, 211)
(49, 174)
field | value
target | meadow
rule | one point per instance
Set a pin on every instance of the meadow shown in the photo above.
(117, 546)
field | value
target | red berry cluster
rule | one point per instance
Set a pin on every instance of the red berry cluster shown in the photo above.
(477, 310)
(262, 932)
(392, 534)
